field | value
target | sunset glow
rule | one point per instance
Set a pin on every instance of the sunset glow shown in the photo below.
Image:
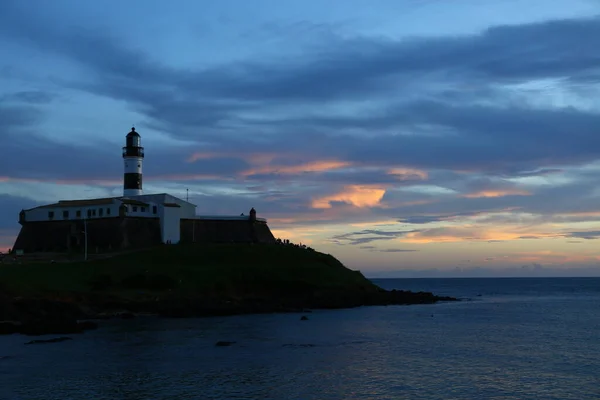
(403, 138)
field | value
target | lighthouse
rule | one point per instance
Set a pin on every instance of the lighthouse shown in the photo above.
(133, 156)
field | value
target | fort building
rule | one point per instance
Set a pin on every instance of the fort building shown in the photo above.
(134, 220)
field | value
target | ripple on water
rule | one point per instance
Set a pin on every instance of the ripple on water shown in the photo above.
(495, 348)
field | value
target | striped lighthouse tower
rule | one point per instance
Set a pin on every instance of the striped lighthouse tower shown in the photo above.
(133, 155)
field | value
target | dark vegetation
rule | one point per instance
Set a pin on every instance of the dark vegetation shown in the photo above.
(189, 280)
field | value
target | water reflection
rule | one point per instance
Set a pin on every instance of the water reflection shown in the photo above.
(482, 349)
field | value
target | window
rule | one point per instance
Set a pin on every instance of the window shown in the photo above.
(107, 211)
(134, 208)
(50, 214)
(153, 209)
(78, 213)
(89, 213)
(66, 214)
(93, 213)
(143, 209)
(100, 212)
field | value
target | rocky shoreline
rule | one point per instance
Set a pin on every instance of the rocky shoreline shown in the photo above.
(55, 315)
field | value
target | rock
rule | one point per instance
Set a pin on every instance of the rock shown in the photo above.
(304, 318)
(137, 281)
(9, 327)
(101, 282)
(49, 326)
(223, 343)
(55, 340)
(87, 325)
(127, 315)
(161, 283)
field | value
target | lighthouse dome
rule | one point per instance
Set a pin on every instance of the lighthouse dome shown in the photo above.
(133, 145)
(133, 139)
(133, 133)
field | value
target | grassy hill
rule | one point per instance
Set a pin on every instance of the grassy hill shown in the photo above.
(183, 280)
(186, 269)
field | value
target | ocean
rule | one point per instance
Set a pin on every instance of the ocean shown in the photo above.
(536, 338)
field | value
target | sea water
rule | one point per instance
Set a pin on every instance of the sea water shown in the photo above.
(509, 339)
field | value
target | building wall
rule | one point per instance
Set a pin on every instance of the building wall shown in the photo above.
(103, 235)
(89, 212)
(170, 224)
(114, 234)
(142, 211)
(225, 231)
(57, 213)
(188, 210)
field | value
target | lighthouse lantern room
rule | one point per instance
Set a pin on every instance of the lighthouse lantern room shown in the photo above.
(133, 157)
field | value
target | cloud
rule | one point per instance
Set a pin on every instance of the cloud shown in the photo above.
(358, 196)
(589, 235)
(426, 219)
(367, 236)
(221, 98)
(15, 118)
(499, 193)
(468, 136)
(506, 271)
(471, 234)
(9, 228)
(314, 166)
(28, 97)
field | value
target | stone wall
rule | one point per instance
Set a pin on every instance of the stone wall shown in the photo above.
(120, 233)
(225, 231)
(104, 235)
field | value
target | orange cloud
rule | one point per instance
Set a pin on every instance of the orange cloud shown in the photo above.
(304, 235)
(356, 195)
(315, 166)
(469, 234)
(255, 158)
(548, 257)
(374, 223)
(261, 161)
(408, 173)
(497, 193)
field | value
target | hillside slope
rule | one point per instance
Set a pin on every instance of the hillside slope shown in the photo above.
(195, 280)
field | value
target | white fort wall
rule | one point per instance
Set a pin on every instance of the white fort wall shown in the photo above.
(170, 223)
(188, 210)
(48, 213)
(92, 211)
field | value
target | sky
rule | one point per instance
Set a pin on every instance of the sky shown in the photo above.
(408, 138)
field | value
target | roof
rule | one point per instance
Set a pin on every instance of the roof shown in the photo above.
(133, 133)
(164, 195)
(132, 202)
(91, 202)
(77, 203)
(86, 202)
